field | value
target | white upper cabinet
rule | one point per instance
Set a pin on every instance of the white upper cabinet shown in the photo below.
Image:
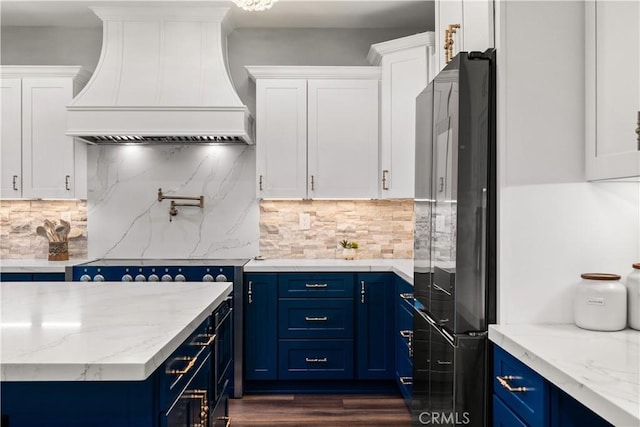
(472, 25)
(612, 89)
(406, 65)
(41, 160)
(316, 131)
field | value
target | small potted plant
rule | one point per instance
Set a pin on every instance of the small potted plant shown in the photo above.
(348, 249)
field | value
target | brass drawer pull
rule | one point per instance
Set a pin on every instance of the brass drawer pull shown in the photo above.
(209, 340)
(191, 362)
(316, 319)
(227, 419)
(316, 360)
(406, 296)
(504, 382)
(316, 285)
(406, 380)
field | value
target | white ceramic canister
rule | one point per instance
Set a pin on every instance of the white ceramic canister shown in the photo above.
(633, 297)
(600, 302)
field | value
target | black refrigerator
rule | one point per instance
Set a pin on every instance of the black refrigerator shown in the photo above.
(455, 243)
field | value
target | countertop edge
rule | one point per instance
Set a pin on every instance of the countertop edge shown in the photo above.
(574, 387)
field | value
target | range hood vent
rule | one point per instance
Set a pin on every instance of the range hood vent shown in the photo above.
(162, 78)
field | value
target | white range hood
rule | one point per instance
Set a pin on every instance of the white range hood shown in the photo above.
(162, 77)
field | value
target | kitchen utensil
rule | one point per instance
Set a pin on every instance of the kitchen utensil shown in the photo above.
(66, 228)
(601, 302)
(50, 227)
(40, 231)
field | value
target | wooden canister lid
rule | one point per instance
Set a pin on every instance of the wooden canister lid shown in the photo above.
(600, 276)
(636, 265)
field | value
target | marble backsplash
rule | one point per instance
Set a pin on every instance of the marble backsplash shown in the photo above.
(128, 221)
(382, 228)
(19, 219)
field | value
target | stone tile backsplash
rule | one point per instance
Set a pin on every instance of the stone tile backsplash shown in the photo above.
(382, 228)
(19, 219)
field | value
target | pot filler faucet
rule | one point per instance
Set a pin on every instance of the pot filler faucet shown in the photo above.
(173, 211)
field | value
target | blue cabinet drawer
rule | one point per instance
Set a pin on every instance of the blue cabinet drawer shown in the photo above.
(315, 318)
(316, 285)
(531, 405)
(503, 416)
(316, 360)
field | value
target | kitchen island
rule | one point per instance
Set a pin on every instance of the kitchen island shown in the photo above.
(601, 370)
(92, 347)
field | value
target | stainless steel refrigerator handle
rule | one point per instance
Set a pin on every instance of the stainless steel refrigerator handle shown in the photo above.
(435, 326)
(483, 251)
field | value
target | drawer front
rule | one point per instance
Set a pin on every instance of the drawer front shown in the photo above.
(503, 416)
(530, 405)
(316, 285)
(316, 360)
(315, 318)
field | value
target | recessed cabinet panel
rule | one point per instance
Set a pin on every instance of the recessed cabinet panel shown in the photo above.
(343, 138)
(613, 89)
(281, 137)
(48, 151)
(11, 142)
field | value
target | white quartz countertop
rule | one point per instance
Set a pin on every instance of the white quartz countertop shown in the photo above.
(36, 265)
(402, 267)
(69, 331)
(599, 369)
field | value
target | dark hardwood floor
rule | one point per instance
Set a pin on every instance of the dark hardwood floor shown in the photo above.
(304, 410)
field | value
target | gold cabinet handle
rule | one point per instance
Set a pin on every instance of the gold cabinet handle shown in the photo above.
(191, 362)
(316, 360)
(260, 183)
(407, 296)
(504, 382)
(200, 395)
(209, 340)
(406, 380)
(316, 319)
(448, 41)
(66, 182)
(227, 419)
(384, 179)
(250, 292)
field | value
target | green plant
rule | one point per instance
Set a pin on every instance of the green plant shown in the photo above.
(348, 245)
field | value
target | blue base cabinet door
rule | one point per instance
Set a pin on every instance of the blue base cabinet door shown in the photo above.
(375, 344)
(261, 326)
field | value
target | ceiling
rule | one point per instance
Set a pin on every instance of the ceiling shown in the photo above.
(284, 14)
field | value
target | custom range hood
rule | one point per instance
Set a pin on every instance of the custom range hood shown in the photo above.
(162, 77)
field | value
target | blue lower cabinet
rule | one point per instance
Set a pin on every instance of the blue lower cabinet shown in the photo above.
(316, 359)
(524, 397)
(31, 277)
(315, 318)
(261, 326)
(375, 358)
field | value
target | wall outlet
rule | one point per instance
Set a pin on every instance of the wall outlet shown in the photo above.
(65, 216)
(305, 221)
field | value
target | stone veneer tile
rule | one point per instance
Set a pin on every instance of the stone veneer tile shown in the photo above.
(382, 228)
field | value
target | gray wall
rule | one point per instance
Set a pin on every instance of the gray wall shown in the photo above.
(283, 46)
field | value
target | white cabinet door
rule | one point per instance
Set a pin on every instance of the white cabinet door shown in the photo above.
(342, 138)
(48, 153)
(613, 89)
(404, 76)
(281, 145)
(476, 32)
(11, 143)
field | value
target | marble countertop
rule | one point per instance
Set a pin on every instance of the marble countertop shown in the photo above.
(402, 267)
(36, 265)
(599, 369)
(110, 331)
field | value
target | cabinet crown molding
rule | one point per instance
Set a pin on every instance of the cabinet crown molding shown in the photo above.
(79, 74)
(378, 50)
(313, 72)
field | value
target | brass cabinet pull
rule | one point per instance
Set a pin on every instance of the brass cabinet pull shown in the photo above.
(407, 296)
(15, 182)
(66, 182)
(250, 292)
(504, 382)
(316, 360)
(384, 179)
(362, 291)
(316, 319)
(448, 41)
(227, 419)
(316, 285)
(406, 380)
(191, 362)
(313, 183)
(208, 342)
(204, 406)
(260, 183)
